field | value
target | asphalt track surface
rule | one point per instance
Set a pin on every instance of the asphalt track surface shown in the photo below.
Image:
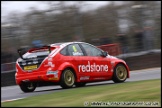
(14, 92)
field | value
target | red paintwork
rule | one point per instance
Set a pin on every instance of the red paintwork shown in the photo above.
(62, 62)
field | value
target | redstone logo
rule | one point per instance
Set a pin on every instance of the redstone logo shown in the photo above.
(93, 68)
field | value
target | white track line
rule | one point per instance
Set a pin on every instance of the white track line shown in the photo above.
(9, 87)
(12, 100)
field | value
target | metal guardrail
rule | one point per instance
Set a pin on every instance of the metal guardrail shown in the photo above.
(139, 53)
(8, 67)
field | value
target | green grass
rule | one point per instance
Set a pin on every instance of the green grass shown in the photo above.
(140, 91)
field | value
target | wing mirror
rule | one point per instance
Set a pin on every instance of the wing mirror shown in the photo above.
(104, 54)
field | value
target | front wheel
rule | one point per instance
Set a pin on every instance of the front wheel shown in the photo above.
(67, 78)
(120, 73)
(28, 86)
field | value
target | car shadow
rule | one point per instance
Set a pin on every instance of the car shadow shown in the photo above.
(87, 85)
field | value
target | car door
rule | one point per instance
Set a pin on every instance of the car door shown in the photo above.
(99, 65)
(77, 57)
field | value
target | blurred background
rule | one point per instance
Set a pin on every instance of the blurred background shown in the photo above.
(133, 26)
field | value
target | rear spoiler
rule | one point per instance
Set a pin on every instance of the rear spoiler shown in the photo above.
(39, 47)
(48, 46)
(22, 51)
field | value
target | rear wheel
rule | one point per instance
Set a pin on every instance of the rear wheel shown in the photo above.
(67, 78)
(28, 86)
(120, 73)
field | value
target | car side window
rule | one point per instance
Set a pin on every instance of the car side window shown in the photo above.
(91, 50)
(74, 50)
(64, 51)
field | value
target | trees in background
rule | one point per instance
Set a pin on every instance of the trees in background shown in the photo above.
(62, 22)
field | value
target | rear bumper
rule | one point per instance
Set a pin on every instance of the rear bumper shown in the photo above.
(37, 76)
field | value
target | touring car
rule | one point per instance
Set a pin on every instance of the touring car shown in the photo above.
(68, 64)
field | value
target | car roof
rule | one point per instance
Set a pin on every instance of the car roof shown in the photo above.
(62, 44)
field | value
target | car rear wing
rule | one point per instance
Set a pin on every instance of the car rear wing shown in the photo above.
(22, 51)
(41, 47)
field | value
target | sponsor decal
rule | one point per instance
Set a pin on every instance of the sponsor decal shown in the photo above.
(50, 64)
(84, 78)
(52, 78)
(52, 73)
(49, 58)
(93, 68)
(99, 78)
(55, 73)
(77, 53)
(29, 70)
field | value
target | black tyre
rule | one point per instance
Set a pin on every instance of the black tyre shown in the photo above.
(28, 86)
(120, 73)
(80, 84)
(67, 78)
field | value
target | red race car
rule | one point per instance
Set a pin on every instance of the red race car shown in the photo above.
(67, 64)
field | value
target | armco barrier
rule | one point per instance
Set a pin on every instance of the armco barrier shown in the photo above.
(143, 60)
(136, 61)
(8, 78)
(8, 67)
(8, 74)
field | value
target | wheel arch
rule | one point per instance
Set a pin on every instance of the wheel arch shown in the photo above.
(74, 72)
(128, 73)
(68, 65)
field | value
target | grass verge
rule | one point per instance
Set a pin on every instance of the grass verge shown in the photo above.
(140, 93)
